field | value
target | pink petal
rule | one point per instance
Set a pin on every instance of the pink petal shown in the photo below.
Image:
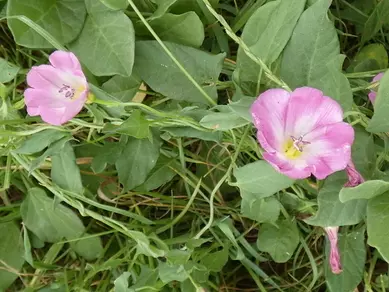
(269, 114)
(334, 259)
(308, 109)
(296, 169)
(38, 97)
(354, 177)
(33, 111)
(330, 148)
(66, 61)
(373, 93)
(378, 77)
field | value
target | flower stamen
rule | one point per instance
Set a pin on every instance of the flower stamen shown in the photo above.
(299, 143)
(67, 90)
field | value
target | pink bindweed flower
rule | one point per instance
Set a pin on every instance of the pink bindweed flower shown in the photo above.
(373, 93)
(302, 132)
(334, 260)
(354, 177)
(58, 91)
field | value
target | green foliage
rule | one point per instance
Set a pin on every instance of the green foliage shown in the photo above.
(380, 120)
(8, 71)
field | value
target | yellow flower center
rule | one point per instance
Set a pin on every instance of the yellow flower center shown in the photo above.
(293, 147)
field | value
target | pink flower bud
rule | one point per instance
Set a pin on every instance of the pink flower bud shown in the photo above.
(354, 177)
(334, 260)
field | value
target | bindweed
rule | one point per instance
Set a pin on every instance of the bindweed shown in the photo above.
(373, 93)
(302, 132)
(354, 177)
(58, 91)
(334, 259)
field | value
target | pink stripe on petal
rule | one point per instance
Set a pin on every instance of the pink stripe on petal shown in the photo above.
(308, 109)
(65, 61)
(269, 116)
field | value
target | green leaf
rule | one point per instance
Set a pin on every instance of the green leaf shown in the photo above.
(363, 152)
(260, 209)
(158, 70)
(147, 278)
(109, 154)
(39, 141)
(261, 179)
(115, 4)
(242, 107)
(160, 174)
(123, 88)
(279, 241)
(63, 19)
(27, 247)
(312, 58)
(215, 261)
(64, 170)
(107, 36)
(377, 18)
(186, 29)
(266, 33)
(135, 126)
(8, 71)
(366, 190)
(11, 253)
(223, 121)
(168, 273)
(380, 119)
(377, 224)
(121, 282)
(163, 7)
(138, 158)
(371, 57)
(114, 111)
(51, 222)
(89, 248)
(332, 212)
(353, 255)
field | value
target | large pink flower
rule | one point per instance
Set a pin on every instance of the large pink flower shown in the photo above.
(373, 93)
(58, 91)
(302, 132)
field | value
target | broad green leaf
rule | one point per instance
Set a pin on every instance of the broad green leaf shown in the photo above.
(279, 241)
(135, 126)
(215, 261)
(51, 222)
(158, 70)
(64, 170)
(380, 119)
(178, 257)
(63, 19)
(371, 57)
(106, 43)
(115, 4)
(261, 179)
(353, 255)
(8, 71)
(377, 224)
(312, 58)
(27, 247)
(11, 253)
(114, 111)
(188, 132)
(109, 154)
(266, 33)
(163, 7)
(147, 278)
(144, 247)
(376, 20)
(332, 212)
(89, 248)
(260, 209)
(137, 159)
(242, 107)
(40, 141)
(366, 190)
(168, 272)
(223, 121)
(121, 282)
(186, 29)
(123, 88)
(363, 152)
(53, 149)
(160, 174)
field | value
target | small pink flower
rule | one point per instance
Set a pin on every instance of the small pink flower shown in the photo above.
(334, 261)
(58, 91)
(373, 93)
(354, 177)
(302, 132)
